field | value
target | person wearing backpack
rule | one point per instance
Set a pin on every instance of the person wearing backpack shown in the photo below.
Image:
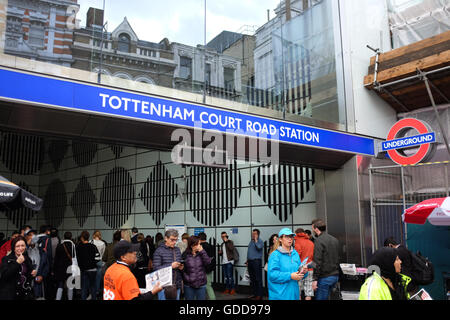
(407, 264)
(227, 252)
(388, 283)
(210, 267)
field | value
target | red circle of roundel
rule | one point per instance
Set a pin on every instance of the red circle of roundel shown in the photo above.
(423, 149)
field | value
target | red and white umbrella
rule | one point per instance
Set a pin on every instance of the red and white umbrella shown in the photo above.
(437, 211)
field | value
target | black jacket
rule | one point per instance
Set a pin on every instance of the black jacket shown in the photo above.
(211, 253)
(62, 260)
(407, 267)
(87, 256)
(11, 287)
(326, 256)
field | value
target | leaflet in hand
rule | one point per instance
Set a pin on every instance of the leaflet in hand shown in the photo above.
(421, 295)
(163, 276)
(302, 264)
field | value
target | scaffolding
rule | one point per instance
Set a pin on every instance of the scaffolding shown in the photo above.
(414, 76)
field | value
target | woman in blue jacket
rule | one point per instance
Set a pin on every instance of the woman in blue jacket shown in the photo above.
(283, 274)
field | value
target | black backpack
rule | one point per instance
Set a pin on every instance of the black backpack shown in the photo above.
(422, 269)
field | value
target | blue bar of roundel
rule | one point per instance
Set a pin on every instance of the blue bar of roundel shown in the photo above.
(432, 134)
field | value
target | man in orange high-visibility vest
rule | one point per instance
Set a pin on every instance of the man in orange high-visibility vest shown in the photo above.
(119, 281)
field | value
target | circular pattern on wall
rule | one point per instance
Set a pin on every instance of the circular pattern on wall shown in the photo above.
(159, 192)
(83, 152)
(117, 197)
(22, 154)
(83, 200)
(213, 193)
(55, 202)
(20, 217)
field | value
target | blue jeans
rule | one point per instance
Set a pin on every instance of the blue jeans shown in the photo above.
(324, 286)
(195, 293)
(162, 296)
(88, 279)
(228, 274)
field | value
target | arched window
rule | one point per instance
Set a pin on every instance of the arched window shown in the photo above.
(124, 42)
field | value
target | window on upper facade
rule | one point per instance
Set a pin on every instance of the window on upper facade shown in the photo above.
(124, 43)
(228, 76)
(13, 25)
(208, 74)
(185, 67)
(98, 43)
(36, 35)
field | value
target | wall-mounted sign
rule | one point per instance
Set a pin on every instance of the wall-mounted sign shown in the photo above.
(197, 231)
(95, 99)
(397, 141)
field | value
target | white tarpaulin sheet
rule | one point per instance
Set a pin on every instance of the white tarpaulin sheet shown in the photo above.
(415, 20)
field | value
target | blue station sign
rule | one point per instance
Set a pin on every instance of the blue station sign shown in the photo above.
(96, 99)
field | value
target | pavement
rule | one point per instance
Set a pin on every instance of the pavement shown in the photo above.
(236, 296)
(346, 295)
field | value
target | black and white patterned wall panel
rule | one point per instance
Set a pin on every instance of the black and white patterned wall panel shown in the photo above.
(159, 192)
(82, 201)
(117, 150)
(57, 150)
(213, 193)
(22, 154)
(117, 197)
(285, 190)
(83, 152)
(55, 203)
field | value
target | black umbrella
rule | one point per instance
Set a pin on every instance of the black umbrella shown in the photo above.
(14, 197)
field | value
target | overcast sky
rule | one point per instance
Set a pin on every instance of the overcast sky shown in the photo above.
(181, 20)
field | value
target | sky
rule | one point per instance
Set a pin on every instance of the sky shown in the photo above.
(181, 20)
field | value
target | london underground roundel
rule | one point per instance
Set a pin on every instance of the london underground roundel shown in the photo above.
(396, 141)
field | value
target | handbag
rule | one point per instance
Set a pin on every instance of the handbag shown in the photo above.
(170, 292)
(73, 268)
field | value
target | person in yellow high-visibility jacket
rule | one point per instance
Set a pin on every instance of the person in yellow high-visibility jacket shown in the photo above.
(390, 284)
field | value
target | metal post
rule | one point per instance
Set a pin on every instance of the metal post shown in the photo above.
(444, 136)
(99, 76)
(372, 213)
(404, 203)
(377, 57)
(446, 179)
(204, 60)
(283, 104)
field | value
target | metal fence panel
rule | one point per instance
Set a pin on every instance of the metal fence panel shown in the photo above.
(395, 188)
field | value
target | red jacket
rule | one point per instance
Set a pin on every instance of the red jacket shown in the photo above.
(6, 247)
(304, 247)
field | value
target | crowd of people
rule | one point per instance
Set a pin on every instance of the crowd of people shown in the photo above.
(40, 265)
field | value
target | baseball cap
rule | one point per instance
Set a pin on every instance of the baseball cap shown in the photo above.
(31, 230)
(285, 232)
(123, 247)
